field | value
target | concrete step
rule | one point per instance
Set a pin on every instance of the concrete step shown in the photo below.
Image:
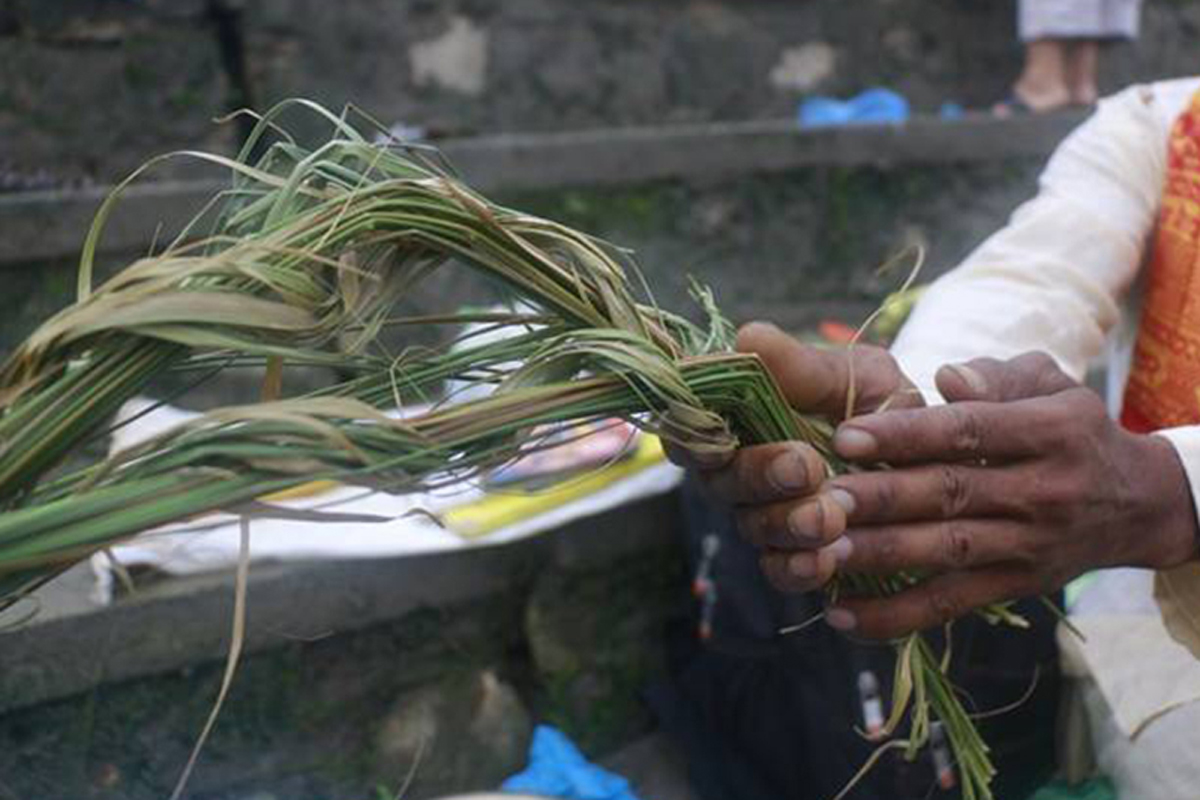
(47, 225)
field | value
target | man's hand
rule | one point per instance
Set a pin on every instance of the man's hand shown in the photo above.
(1020, 483)
(776, 489)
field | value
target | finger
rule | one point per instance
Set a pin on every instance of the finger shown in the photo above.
(768, 472)
(934, 602)
(1028, 375)
(791, 571)
(953, 432)
(681, 456)
(819, 380)
(933, 492)
(806, 524)
(907, 396)
(932, 547)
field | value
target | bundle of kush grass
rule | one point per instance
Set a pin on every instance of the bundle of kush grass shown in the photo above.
(299, 263)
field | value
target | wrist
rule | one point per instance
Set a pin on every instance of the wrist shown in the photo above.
(1173, 534)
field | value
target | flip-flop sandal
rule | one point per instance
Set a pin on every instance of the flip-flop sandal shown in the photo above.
(1011, 106)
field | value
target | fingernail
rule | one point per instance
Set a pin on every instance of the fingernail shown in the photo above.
(787, 473)
(843, 499)
(799, 525)
(759, 325)
(841, 549)
(971, 378)
(765, 324)
(840, 619)
(853, 443)
(803, 565)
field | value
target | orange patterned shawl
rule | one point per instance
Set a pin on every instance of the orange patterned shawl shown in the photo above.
(1164, 381)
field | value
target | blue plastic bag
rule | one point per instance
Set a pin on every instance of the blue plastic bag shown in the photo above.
(872, 106)
(557, 769)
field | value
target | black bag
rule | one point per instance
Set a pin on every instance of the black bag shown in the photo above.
(769, 717)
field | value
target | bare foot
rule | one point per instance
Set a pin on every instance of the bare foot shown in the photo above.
(1042, 98)
(1084, 96)
(1044, 83)
(1021, 102)
(1081, 73)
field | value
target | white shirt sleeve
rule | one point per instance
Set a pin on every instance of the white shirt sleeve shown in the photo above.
(1052, 279)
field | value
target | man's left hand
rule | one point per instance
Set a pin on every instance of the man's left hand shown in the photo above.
(1017, 485)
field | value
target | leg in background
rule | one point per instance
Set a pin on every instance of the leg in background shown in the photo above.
(1043, 83)
(1082, 61)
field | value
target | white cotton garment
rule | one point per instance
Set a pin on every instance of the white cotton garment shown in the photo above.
(1078, 19)
(1061, 277)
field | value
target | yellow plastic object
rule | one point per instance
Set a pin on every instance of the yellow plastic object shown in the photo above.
(496, 511)
(303, 490)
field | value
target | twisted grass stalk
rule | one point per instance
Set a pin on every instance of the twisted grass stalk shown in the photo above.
(304, 258)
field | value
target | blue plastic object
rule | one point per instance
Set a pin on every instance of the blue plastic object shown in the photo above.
(557, 769)
(872, 106)
(951, 110)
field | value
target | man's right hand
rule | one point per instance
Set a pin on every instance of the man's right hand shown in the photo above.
(776, 489)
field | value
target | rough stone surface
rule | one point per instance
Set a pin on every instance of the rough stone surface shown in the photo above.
(800, 246)
(46, 224)
(331, 697)
(299, 722)
(794, 246)
(456, 60)
(594, 645)
(91, 90)
(469, 66)
(466, 732)
(805, 67)
(655, 767)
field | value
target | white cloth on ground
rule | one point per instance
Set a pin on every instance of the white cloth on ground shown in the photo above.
(211, 543)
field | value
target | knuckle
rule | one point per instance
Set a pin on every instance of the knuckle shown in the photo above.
(882, 496)
(876, 551)
(887, 550)
(1036, 362)
(943, 606)
(955, 490)
(957, 549)
(965, 430)
(880, 375)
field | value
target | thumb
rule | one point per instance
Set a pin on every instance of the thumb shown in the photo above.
(1028, 375)
(817, 380)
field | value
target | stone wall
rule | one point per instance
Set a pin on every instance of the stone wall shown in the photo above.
(794, 247)
(91, 88)
(448, 691)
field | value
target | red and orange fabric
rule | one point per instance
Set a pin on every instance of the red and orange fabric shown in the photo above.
(1164, 382)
